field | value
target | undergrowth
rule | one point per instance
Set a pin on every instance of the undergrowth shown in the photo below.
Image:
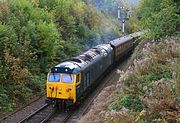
(151, 86)
(13, 93)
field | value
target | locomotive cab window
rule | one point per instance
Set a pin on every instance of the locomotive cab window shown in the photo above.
(67, 78)
(53, 77)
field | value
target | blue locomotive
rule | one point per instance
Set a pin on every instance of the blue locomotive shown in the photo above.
(68, 81)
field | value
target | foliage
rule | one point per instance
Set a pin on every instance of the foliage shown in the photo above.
(133, 24)
(160, 17)
(130, 102)
(161, 102)
(4, 100)
(151, 87)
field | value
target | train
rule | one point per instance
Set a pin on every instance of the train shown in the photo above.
(68, 81)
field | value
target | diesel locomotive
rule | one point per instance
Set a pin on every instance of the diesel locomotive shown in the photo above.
(68, 81)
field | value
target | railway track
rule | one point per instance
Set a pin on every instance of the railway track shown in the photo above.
(19, 109)
(47, 114)
(61, 117)
(41, 115)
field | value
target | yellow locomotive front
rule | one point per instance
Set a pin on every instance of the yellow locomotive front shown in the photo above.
(61, 85)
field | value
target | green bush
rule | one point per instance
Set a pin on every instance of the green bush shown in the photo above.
(38, 84)
(132, 103)
(160, 72)
(160, 17)
(5, 103)
(21, 93)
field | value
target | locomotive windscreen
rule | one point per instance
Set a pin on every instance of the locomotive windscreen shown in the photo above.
(54, 77)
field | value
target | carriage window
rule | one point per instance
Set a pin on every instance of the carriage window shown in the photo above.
(68, 78)
(77, 78)
(54, 77)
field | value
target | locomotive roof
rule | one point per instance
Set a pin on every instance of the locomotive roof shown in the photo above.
(77, 64)
(66, 67)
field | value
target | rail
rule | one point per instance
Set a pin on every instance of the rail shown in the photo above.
(44, 117)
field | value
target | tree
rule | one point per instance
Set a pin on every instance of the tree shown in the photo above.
(29, 41)
(160, 17)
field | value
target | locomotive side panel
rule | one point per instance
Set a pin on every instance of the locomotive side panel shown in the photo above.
(96, 68)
